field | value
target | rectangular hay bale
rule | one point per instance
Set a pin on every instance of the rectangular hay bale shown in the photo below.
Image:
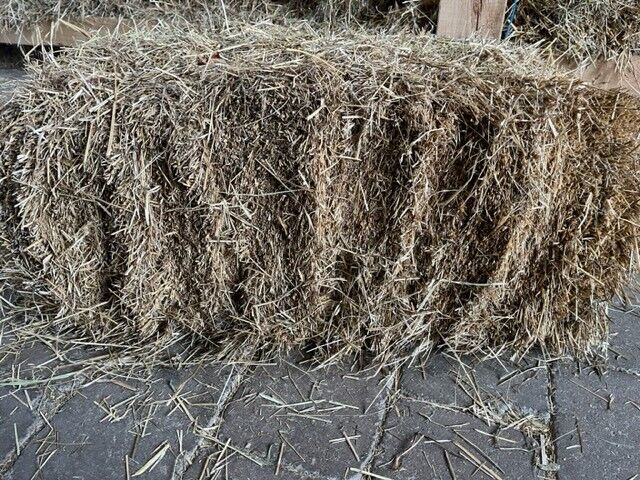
(273, 187)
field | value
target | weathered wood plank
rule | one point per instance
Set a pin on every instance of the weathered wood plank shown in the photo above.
(62, 32)
(464, 18)
(605, 74)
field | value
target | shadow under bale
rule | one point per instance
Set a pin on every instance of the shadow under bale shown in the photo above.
(271, 187)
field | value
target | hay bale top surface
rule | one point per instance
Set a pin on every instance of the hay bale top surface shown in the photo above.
(581, 30)
(273, 187)
(345, 50)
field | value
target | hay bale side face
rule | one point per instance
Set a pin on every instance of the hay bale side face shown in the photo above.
(271, 187)
(55, 210)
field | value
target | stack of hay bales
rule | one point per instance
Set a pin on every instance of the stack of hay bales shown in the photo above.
(272, 187)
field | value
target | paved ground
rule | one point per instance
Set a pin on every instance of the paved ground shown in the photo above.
(72, 411)
(69, 411)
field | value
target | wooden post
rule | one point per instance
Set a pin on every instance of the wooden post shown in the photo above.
(464, 18)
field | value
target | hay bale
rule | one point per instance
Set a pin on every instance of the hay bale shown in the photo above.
(583, 30)
(270, 186)
(206, 15)
(21, 14)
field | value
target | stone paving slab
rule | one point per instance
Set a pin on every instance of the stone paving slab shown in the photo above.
(624, 351)
(424, 443)
(119, 426)
(598, 408)
(25, 368)
(235, 466)
(597, 421)
(17, 415)
(446, 412)
(445, 379)
(286, 413)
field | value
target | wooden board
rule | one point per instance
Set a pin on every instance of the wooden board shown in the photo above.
(464, 18)
(63, 32)
(605, 74)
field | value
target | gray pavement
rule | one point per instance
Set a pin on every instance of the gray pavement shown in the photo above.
(598, 408)
(64, 415)
(68, 411)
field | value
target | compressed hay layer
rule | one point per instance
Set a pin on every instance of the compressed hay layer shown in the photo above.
(273, 187)
(582, 30)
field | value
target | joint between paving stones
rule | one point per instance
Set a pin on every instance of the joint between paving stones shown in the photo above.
(45, 408)
(552, 452)
(228, 392)
(391, 388)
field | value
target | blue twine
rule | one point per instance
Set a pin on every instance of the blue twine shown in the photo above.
(511, 18)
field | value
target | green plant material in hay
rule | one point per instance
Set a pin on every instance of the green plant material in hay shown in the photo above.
(270, 186)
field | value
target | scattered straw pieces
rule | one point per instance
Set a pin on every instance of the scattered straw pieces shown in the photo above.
(155, 459)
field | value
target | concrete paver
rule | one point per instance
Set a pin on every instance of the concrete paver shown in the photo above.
(289, 415)
(26, 370)
(624, 348)
(597, 424)
(450, 419)
(114, 425)
(598, 408)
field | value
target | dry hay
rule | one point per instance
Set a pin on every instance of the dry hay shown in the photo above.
(583, 30)
(209, 14)
(274, 187)
(206, 14)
